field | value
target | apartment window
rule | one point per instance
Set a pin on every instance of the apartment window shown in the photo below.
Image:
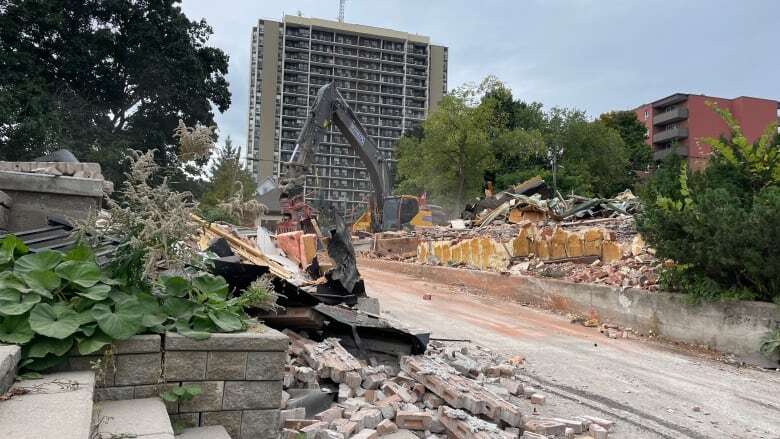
(646, 114)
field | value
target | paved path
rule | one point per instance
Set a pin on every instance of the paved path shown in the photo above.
(651, 390)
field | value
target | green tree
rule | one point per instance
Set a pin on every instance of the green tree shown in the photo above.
(99, 77)
(450, 159)
(227, 177)
(594, 160)
(633, 133)
(720, 225)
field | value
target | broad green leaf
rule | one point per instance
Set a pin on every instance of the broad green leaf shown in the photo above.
(211, 286)
(15, 330)
(226, 320)
(12, 281)
(184, 329)
(84, 274)
(121, 323)
(175, 286)
(94, 343)
(97, 292)
(10, 248)
(43, 346)
(56, 321)
(80, 253)
(14, 303)
(45, 260)
(42, 282)
(152, 313)
(153, 320)
(88, 330)
(42, 364)
(179, 308)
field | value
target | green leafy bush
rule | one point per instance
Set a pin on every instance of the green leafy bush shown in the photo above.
(719, 225)
(51, 302)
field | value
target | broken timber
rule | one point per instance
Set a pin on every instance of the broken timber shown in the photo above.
(460, 392)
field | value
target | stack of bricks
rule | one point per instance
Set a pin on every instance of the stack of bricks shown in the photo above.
(239, 374)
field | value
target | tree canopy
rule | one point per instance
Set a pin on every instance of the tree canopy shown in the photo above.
(450, 156)
(98, 77)
(509, 140)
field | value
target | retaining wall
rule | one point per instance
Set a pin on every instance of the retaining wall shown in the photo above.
(733, 327)
(240, 375)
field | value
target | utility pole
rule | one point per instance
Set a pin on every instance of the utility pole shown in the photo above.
(341, 10)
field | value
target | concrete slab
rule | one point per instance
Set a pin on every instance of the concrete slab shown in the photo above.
(213, 432)
(139, 418)
(9, 358)
(57, 406)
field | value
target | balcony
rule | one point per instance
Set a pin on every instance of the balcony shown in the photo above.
(661, 154)
(666, 117)
(670, 135)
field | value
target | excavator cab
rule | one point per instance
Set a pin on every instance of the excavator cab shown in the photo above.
(400, 211)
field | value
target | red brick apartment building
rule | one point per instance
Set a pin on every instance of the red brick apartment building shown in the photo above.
(678, 123)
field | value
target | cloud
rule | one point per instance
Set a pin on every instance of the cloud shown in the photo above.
(592, 55)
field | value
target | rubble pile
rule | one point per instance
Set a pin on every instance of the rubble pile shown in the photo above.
(584, 240)
(453, 390)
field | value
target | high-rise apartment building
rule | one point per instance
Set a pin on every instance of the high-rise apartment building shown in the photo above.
(391, 79)
(677, 124)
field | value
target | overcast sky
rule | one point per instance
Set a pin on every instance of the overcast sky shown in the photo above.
(594, 55)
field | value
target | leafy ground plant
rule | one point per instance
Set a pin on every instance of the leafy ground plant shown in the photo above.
(51, 302)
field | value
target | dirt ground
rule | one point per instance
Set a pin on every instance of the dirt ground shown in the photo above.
(650, 389)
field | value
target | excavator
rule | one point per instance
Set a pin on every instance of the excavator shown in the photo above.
(384, 213)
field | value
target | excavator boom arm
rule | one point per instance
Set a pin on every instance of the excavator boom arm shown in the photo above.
(330, 107)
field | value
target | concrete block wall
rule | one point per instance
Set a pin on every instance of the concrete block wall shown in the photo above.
(240, 375)
(545, 243)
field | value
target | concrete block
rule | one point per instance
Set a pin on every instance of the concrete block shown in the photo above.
(138, 369)
(40, 414)
(258, 338)
(259, 424)
(181, 421)
(138, 344)
(213, 432)
(185, 366)
(134, 418)
(226, 365)
(210, 399)
(231, 420)
(250, 395)
(265, 366)
(537, 398)
(114, 393)
(366, 433)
